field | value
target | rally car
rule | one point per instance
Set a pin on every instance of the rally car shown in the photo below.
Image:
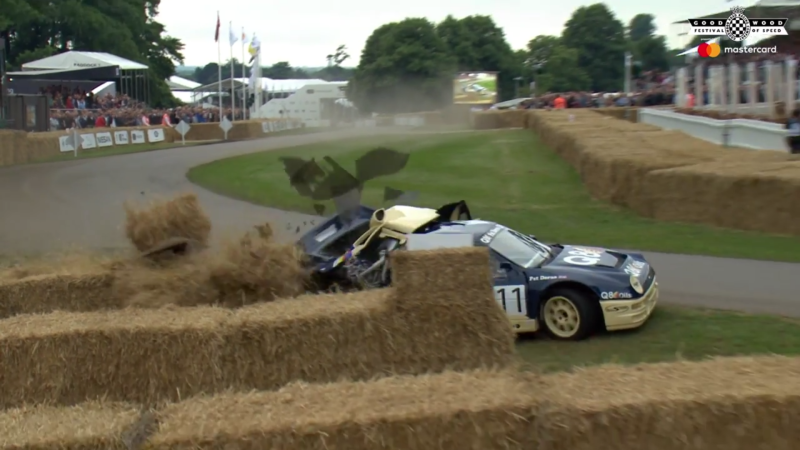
(567, 291)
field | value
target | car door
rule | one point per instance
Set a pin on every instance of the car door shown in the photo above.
(510, 287)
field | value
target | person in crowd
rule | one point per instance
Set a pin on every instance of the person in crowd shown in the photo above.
(793, 128)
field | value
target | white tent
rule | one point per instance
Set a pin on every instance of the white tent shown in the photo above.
(82, 60)
(133, 79)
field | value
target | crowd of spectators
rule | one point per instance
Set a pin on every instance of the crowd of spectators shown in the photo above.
(74, 108)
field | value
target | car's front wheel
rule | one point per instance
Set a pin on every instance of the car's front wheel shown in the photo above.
(569, 314)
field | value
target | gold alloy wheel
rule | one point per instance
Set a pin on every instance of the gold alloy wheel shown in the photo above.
(562, 317)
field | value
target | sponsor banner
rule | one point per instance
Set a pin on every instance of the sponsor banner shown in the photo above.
(65, 144)
(265, 127)
(88, 141)
(155, 135)
(475, 88)
(104, 139)
(137, 137)
(121, 138)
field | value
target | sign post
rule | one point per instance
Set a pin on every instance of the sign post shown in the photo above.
(226, 126)
(182, 128)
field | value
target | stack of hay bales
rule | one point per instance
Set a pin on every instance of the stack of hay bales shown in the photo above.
(669, 175)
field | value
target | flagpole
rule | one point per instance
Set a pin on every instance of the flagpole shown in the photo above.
(258, 85)
(244, 76)
(233, 72)
(219, 72)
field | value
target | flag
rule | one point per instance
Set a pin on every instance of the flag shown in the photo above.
(231, 35)
(255, 48)
(244, 38)
(216, 32)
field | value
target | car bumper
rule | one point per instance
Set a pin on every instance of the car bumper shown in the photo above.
(629, 314)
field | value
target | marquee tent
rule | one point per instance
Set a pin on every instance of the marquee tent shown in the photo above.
(133, 79)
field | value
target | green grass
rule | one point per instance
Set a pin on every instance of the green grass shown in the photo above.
(672, 333)
(488, 84)
(507, 176)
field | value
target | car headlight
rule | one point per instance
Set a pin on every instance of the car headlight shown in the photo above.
(636, 285)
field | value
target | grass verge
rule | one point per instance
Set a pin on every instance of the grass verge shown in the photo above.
(507, 176)
(671, 334)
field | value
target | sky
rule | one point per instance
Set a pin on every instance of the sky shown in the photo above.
(304, 33)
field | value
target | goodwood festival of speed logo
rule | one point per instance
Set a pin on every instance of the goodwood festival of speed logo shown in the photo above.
(738, 27)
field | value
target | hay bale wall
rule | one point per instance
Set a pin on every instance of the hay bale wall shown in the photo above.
(669, 175)
(45, 294)
(439, 315)
(241, 130)
(729, 403)
(17, 147)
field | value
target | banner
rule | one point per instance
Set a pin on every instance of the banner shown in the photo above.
(121, 137)
(475, 88)
(265, 127)
(104, 139)
(155, 135)
(65, 144)
(137, 137)
(88, 141)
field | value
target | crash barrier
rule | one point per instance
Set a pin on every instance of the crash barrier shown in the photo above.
(731, 404)
(439, 314)
(486, 120)
(19, 147)
(734, 132)
(669, 175)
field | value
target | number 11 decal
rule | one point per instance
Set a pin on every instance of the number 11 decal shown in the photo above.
(512, 299)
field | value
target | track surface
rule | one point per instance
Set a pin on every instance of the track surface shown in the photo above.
(44, 207)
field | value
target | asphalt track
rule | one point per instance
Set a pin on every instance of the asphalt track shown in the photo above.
(46, 207)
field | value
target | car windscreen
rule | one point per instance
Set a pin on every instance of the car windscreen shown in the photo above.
(518, 248)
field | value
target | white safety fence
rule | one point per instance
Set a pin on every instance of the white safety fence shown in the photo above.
(753, 134)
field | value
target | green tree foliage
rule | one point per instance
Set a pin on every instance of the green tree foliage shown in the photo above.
(641, 26)
(599, 38)
(562, 73)
(478, 44)
(279, 71)
(126, 28)
(405, 67)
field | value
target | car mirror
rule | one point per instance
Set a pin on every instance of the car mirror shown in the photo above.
(506, 266)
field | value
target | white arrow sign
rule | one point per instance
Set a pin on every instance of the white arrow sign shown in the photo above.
(183, 128)
(226, 126)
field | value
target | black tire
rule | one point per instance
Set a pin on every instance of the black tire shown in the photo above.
(586, 308)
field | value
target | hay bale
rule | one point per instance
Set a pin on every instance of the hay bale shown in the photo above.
(90, 426)
(138, 356)
(249, 270)
(435, 318)
(666, 174)
(58, 292)
(255, 268)
(455, 411)
(180, 217)
(726, 403)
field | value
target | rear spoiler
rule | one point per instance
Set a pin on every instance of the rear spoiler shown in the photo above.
(454, 211)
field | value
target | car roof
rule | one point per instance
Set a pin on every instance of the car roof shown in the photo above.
(477, 228)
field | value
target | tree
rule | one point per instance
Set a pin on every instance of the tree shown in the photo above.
(478, 44)
(338, 57)
(126, 28)
(539, 50)
(562, 72)
(641, 26)
(599, 39)
(652, 53)
(404, 67)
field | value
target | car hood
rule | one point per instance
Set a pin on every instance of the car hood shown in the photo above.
(600, 259)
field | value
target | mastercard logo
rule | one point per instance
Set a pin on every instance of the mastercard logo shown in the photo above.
(707, 50)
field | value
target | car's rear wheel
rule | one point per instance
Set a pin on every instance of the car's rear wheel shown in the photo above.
(568, 314)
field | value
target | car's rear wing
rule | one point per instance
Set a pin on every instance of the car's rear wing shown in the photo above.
(454, 211)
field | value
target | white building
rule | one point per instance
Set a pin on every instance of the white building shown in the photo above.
(183, 89)
(315, 102)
